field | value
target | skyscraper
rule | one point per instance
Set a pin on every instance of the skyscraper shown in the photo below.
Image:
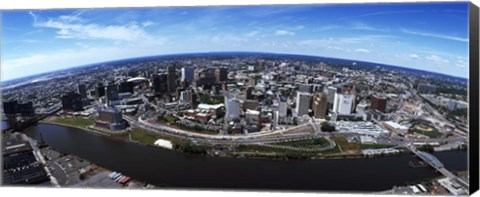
(220, 74)
(111, 92)
(72, 102)
(319, 105)
(171, 79)
(82, 90)
(232, 107)
(303, 103)
(343, 103)
(282, 107)
(188, 74)
(99, 90)
(159, 83)
(379, 103)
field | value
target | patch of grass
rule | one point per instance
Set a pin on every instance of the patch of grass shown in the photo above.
(148, 138)
(374, 146)
(347, 147)
(143, 137)
(311, 143)
(432, 134)
(75, 121)
(203, 98)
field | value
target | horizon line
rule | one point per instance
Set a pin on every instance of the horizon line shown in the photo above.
(205, 52)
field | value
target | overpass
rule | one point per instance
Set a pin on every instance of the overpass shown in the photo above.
(437, 164)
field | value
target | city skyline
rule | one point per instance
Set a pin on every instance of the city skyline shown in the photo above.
(425, 36)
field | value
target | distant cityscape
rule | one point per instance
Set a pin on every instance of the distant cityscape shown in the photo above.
(241, 105)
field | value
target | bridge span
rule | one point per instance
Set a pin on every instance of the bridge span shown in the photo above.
(438, 165)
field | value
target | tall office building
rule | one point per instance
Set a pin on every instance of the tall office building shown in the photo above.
(13, 108)
(82, 90)
(319, 105)
(282, 107)
(343, 103)
(188, 74)
(125, 86)
(111, 92)
(303, 103)
(159, 83)
(379, 103)
(99, 90)
(72, 102)
(331, 94)
(185, 96)
(110, 118)
(220, 74)
(248, 93)
(171, 79)
(232, 107)
(305, 88)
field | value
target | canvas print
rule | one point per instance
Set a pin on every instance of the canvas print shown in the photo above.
(348, 98)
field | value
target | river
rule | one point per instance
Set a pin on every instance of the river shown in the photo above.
(179, 170)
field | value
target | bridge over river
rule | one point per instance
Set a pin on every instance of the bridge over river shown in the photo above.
(438, 165)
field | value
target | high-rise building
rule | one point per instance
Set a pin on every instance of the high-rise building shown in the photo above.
(379, 103)
(305, 88)
(282, 107)
(185, 96)
(319, 105)
(303, 103)
(171, 79)
(252, 81)
(331, 94)
(248, 92)
(205, 77)
(82, 90)
(99, 91)
(220, 74)
(110, 118)
(72, 102)
(232, 107)
(343, 103)
(12, 108)
(188, 74)
(125, 86)
(111, 92)
(159, 83)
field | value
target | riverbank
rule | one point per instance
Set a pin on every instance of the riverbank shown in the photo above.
(258, 151)
(82, 123)
(295, 150)
(159, 166)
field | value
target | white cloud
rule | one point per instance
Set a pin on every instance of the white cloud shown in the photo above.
(414, 56)
(147, 23)
(437, 59)
(251, 34)
(24, 61)
(434, 35)
(224, 38)
(362, 50)
(282, 32)
(461, 64)
(328, 27)
(71, 27)
(362, 26)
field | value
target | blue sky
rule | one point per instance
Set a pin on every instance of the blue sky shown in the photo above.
(427, 36)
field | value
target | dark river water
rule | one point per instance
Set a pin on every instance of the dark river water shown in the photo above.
(176, 169)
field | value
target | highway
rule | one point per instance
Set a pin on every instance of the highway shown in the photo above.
(221, 139)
